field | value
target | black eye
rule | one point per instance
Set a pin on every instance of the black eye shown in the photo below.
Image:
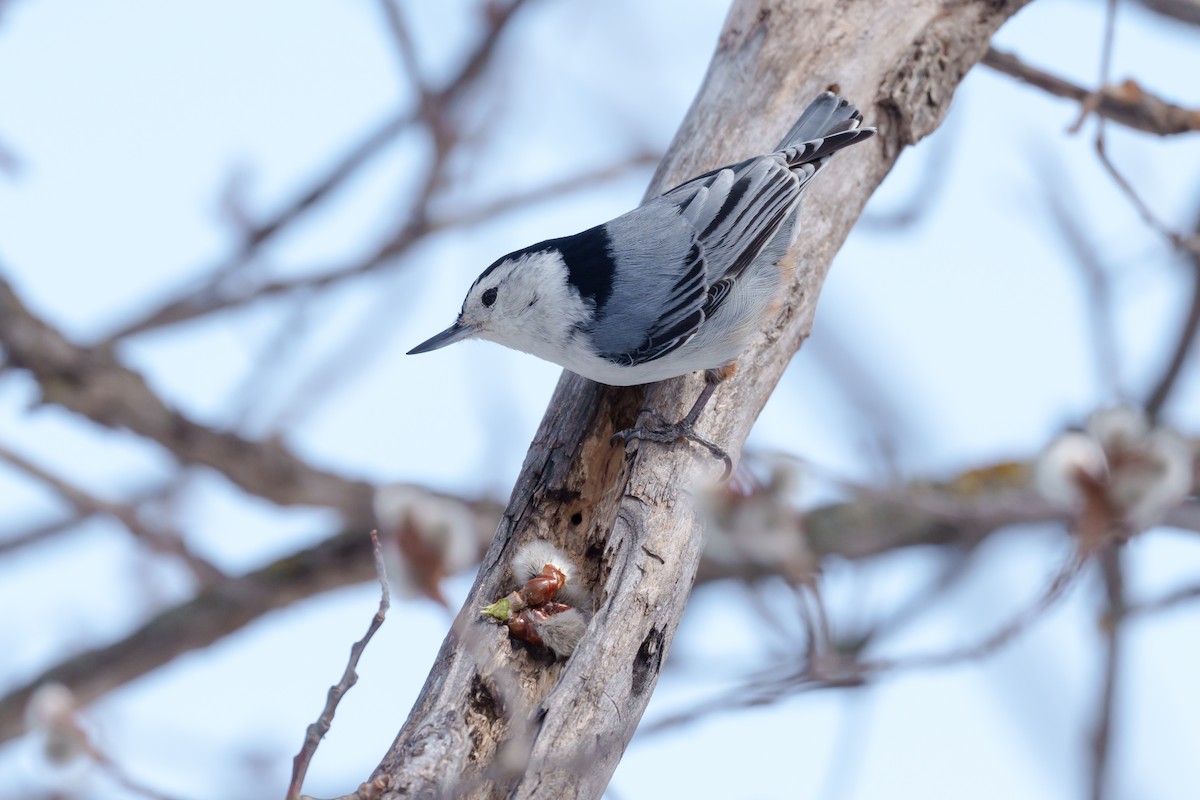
(489, 297)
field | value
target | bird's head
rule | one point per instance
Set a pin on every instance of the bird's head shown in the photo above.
(521, 301)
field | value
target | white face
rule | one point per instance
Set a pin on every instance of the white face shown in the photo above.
(499, 297)
(524, 303)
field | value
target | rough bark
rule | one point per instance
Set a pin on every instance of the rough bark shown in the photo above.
(497, 719)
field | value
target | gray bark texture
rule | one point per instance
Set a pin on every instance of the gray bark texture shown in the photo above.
(499, 719)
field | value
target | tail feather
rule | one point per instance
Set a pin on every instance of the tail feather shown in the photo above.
(818, 151)
(825, 116)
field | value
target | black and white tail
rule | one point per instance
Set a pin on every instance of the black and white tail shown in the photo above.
(826, 126)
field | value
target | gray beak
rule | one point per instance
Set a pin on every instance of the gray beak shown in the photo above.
(451, 335)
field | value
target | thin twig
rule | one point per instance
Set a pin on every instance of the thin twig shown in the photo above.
(1096, 279)
(215, 294)
(549, 191)
(273, 360)
(1111, 627)
(318, 729)
(1184, 594)
(358, 155)
(1189, 244)
(1053, 592)
(956, 566)
(1109, 557)
(769, 688)
(1184, 342)
(45, 530)
(1128, 104)
(122, 778)
(405, 48)
(161, 541)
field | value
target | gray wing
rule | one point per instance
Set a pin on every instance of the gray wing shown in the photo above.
(737, 211)
(659, 287)
(680, 254)
(718, 223)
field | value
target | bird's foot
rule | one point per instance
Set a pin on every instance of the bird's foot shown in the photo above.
(668, 433)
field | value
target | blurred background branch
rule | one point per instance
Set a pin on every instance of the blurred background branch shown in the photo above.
(1127, 104)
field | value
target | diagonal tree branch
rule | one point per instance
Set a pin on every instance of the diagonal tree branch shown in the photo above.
(213, 614)
(1186, 11)
(217, 611)
(90, 381)
(317, 731)
(1185, 342)
(434, 109)
(169, 542)
(1128, 104)
(41, 531)
(633, 525)
(420, 225)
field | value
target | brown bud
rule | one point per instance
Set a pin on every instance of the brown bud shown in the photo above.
(542, 587)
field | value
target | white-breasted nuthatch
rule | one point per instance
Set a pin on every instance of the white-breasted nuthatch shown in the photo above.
(679, 284)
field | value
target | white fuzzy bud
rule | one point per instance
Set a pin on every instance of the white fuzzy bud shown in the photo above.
(52, 714)
(562, 632)
(754, 528)
(1118, 428)
(449, 541)
(1067, 459)
(533, 556)
(1132, 473)
(1157, 479)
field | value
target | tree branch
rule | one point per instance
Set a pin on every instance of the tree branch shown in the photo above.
(216, 612)
(1127, 103)
(218, 297)
(633, 524)
(433, 109)
(1186, 11)
(1185, 342)
(169, 542)
(92, 382)
(316, 732)
(1112, 627)
(958, 514)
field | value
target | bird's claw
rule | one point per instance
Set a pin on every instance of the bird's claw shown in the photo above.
(668, 434)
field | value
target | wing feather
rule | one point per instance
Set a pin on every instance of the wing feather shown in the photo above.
(730, 215)
(677, 318)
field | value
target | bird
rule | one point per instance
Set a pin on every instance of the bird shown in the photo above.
(680, 284)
